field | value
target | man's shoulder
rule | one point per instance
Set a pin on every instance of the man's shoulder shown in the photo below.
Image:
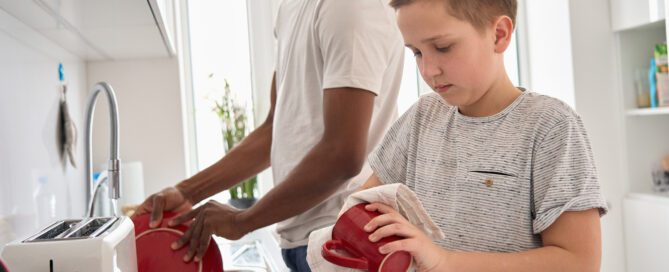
(344, 7)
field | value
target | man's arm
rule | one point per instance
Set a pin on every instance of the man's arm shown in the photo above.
(337, 157)
(249, 157)
(372, 181)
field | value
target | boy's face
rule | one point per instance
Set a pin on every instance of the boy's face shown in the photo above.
(454, 58)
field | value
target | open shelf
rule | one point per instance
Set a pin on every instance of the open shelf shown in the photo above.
(648, 111)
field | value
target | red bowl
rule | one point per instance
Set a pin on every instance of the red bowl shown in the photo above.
(155, 254)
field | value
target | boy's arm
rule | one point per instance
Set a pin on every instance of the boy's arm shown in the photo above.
(572, 243)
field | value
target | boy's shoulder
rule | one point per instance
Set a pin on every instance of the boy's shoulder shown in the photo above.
(545, 115)
(547, 109)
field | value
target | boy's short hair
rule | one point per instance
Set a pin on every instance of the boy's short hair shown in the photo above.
(479, 13)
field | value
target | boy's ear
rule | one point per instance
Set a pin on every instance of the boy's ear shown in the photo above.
(503, 33)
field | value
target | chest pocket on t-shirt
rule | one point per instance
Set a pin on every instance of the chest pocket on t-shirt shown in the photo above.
(492, 209)
(489, 205)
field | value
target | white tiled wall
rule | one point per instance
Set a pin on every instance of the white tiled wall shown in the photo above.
(29, 107)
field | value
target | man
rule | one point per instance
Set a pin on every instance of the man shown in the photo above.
(338, 71)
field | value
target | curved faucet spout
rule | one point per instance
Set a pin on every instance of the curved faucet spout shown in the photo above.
(114, 169)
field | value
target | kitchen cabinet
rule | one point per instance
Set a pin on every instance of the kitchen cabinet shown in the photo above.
(627, 14)
(101, 29)
(164, 15)
(647, 232)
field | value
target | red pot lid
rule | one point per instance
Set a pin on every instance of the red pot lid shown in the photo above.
(155, 254)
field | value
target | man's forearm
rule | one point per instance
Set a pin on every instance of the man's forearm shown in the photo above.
(248, 158)
(322, 171)
(547, 259)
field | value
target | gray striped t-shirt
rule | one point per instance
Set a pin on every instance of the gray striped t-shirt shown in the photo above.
(492, 184)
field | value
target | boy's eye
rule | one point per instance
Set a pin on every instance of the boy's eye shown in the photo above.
(444, 49)
(416, 53)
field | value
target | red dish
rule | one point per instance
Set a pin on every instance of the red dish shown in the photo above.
(155, 254)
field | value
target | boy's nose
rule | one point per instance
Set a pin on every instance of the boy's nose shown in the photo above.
(430, 68)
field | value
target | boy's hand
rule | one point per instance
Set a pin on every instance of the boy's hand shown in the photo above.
(427, 255)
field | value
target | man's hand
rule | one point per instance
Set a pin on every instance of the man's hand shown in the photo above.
(210, 218)
(169, 199)
(427, 254)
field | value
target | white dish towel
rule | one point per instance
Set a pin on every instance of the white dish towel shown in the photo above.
(398, 196)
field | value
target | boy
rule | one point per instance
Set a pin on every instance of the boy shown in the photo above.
(507, 174)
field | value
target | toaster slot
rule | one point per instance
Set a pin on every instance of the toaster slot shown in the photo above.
(92, 228)
(55, 231)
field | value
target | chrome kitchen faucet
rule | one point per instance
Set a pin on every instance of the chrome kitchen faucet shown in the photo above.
(113, 175)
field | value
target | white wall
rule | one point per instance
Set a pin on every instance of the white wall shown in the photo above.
(151, 125)
(29, 103)
(598, 102)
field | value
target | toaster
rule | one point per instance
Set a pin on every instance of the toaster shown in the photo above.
(105, 244)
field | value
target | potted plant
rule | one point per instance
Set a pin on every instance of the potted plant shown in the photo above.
(233, 123)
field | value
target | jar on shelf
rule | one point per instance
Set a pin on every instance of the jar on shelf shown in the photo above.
(642, 89)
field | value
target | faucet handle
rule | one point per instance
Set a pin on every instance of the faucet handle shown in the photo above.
(114, 173)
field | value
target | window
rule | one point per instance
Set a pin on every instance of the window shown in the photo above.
(219, 51)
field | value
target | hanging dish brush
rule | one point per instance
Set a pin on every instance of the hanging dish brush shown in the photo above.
(66, 125)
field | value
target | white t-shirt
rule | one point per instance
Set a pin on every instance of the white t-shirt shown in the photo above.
(325, 44)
